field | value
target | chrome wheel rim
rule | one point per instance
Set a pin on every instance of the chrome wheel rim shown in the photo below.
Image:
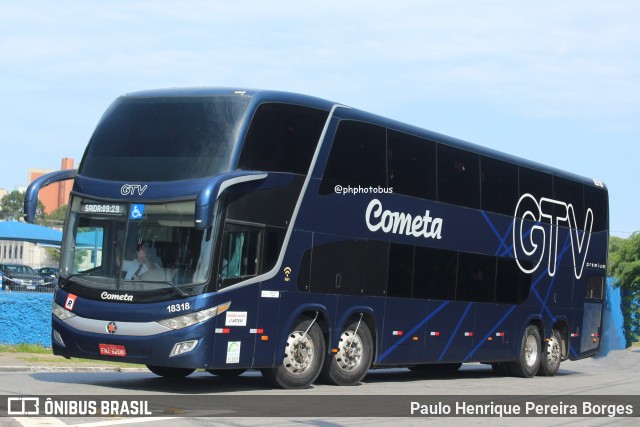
(553, 351)
(298, 353)
(531, 351)
(350, 349)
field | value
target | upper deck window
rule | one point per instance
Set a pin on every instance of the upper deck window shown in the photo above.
(282, 138)
(164, 139)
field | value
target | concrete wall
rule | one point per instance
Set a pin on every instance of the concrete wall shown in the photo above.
(25, 317)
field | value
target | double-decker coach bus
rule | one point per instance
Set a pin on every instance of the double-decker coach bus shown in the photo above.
(230, 230)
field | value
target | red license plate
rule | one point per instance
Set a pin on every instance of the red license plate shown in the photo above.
(112, 350)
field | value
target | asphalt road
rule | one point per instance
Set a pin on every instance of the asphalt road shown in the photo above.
(617, 374)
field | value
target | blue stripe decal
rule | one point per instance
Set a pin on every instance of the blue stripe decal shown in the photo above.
(453, 335)
(468, 356)
(405, 337)
(501, 238)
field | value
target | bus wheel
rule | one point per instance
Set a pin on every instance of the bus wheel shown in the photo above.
(529, 359)
(350, 364)
(551, 356)
(166, 372)
(228, 373)
(303, 357)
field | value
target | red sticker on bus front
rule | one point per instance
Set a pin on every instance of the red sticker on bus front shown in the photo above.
(71, 299)
(112, 350)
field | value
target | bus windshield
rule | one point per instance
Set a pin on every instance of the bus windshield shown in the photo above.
(167, 139)
(135, 247)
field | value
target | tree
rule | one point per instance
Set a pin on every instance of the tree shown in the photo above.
(56, 218)
(624, 257)
(12, 207)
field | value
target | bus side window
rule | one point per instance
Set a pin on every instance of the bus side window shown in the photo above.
(594, 287)
(357, 157)
(240, 252)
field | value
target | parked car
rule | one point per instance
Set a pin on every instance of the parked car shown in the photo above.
(18, 277)
(50, 275)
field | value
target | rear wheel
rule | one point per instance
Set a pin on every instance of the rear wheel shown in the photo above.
(166, 372)
(551, 356)
(303, 357)
(530, 354)
(355, 350)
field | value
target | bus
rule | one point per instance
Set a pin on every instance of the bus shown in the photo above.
(227, 230)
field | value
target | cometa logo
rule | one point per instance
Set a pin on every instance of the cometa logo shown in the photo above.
(116, 297)
(402, 223)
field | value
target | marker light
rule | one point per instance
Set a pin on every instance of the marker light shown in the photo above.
(60, 312)
(194, 318)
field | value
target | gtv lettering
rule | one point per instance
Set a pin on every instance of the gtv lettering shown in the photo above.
(533, 240)
(402, 223)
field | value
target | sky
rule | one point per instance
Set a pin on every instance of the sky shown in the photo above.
(553, 82)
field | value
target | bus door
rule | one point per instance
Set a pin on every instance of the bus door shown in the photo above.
(235, 331)
(450, 331)
(590, 335)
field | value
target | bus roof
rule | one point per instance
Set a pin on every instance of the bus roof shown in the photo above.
(260, 96)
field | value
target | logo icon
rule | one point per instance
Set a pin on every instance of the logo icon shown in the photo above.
(136, 211)
(132, 189)
(287, 274)
(112, 327)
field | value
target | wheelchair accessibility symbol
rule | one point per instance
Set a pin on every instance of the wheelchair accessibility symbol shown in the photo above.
(136, 212)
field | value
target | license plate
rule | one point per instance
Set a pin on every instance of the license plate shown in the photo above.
(112, 350)
(31, 287)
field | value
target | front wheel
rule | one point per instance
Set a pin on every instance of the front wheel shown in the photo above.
(355, 351)
(529, 358)
(166, 372)
(551, 356)
(302, 359)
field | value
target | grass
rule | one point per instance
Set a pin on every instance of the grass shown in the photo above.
(34, 353)
(24, 348)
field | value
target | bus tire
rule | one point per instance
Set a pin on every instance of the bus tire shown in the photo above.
(303, 357)
(530, 354)
(352, 361)
(551, 356)
(166, 372)
(227, 373)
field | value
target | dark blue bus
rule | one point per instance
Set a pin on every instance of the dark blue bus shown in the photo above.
(228, 230)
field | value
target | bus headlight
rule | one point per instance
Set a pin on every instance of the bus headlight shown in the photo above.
(60, 312)
(194, 318)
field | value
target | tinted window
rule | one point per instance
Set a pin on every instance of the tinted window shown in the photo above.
(458, 177)
(476, 278)
(594, 287)
(512, 285)
(499, 186)
(282, 138)
(538, 184)
(596, 200)
(435, 274)
(400, 270)
(411, 165)
(338, 268)
(357, 157)
(571, 193)
(164, 139)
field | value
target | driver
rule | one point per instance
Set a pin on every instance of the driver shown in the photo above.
(140, 265)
